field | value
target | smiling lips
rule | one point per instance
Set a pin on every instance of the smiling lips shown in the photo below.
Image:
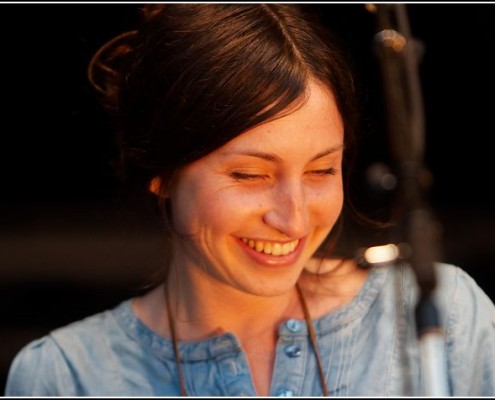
(273, 248)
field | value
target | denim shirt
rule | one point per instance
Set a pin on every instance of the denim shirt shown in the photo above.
(369, 347)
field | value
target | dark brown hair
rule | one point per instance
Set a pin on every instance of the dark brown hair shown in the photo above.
(194, 76)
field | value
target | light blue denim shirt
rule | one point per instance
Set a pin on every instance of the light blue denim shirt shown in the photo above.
(368, 347)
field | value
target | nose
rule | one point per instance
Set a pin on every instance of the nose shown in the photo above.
(288, 211)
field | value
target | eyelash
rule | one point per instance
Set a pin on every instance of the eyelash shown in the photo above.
(327, 171)
(241, 176)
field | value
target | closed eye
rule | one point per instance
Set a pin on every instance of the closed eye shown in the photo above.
(242, 176)
(326, 171)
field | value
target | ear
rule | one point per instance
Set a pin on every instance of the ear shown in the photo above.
(155, 186)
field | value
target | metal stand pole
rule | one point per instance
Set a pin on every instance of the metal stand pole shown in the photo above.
(398, 55)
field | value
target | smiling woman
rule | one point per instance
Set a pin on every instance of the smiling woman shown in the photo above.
(276, 186)
(240, 120)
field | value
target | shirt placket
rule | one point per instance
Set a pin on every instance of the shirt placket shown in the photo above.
(290, 360)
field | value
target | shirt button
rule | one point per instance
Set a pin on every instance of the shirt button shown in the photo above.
(285, 393)
(293, 325)
(293, 350)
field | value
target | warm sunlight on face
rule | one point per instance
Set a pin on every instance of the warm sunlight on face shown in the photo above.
(255, 210)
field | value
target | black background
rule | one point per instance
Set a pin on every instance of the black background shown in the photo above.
(70, 245)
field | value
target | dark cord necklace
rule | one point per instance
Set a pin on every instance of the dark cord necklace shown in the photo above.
(312, 337)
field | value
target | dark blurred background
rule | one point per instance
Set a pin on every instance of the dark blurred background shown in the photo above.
(72, 244)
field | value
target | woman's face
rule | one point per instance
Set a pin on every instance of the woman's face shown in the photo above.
(250, 214)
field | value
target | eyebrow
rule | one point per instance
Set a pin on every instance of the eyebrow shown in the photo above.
(275, 158)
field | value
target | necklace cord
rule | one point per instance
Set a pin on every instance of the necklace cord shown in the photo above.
(309, 324)
(176, 347)
(314, 341)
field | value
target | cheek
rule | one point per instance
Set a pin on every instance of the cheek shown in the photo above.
(328, 205)
(196, 211)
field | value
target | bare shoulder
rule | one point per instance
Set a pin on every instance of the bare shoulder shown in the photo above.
(330, 283)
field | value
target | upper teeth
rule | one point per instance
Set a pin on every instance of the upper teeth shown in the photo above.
(275, 249)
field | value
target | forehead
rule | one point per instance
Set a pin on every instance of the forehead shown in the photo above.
(316, 122)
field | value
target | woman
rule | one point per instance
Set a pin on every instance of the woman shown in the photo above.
(240, 119)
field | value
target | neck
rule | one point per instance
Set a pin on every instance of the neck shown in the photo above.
(203, 308)
(212, 308)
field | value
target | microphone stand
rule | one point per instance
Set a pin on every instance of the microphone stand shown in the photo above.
(398, 55)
